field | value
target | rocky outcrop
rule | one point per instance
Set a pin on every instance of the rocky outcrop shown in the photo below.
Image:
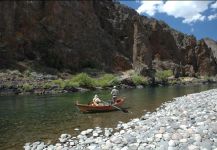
(72, 35)
(212, 45)
(58, 34)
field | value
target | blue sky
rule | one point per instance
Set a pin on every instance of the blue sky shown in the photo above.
(191, 17)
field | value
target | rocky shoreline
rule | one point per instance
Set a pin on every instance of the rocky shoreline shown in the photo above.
(17, 83)
(187, 122)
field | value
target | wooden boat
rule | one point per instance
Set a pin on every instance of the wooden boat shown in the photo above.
(100, 108)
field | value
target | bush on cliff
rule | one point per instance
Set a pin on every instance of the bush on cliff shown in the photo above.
(59, 82)
(83, 80)
(106, 80)
(47, 85)
(139, 79)
(71, 84)
(164, 75)
(27, 87)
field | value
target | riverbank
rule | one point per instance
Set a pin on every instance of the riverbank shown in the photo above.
(17, 83)
(187, 122)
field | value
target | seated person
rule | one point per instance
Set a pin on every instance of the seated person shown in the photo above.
(96, 100)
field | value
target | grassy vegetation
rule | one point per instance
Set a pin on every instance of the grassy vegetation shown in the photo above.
(173, 82)
(84, 80)
(70, 84)
(139, 79)
(7, 85)
(47, 85)
(27, 73)
(163, 75)
(60, 83)
(27, 87)
(106, 80)
(207, 78)
(28, 82)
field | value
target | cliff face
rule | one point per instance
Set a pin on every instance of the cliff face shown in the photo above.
(212, 45)
(60, 34)
(91, 34)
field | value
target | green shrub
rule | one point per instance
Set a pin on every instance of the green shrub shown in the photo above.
(27, 73)
(15, 72)
(59, 82)
(7, 85)
(83, 80)
(172, 82)
(163, 75)
(106, 80)
(71, 83)
(139, 80)
(47, 85)
(207, 78)
(27, 87)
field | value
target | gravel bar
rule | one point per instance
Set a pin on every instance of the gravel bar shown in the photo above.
(187, 122)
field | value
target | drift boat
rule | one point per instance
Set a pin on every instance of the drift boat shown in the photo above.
(100, 108)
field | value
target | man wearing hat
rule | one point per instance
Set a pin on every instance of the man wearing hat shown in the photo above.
(114, 94)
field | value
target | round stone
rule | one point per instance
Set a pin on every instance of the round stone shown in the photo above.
(58, 144)
(185, 135)
(76, 129)
(197, 137)
(172, 148)
(125, 148)
(150, 139)
(27, 147)
(166, 136)
(184, 127)
(116, 140)
(92, 147)
(162, 130)
(172, 143)
(190, 131)
(183, 140)
(193, 147)
(95, 134)
(176, 136)
(158, 136)
(122, 131)
(107, 133)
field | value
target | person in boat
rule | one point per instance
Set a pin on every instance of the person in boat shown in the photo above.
(114, 94)
(96, 100)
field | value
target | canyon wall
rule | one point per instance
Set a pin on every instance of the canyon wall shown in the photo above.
(72, 35)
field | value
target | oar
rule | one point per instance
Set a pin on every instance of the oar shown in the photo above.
(123, 110)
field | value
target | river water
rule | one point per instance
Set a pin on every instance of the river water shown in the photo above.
(31, 118)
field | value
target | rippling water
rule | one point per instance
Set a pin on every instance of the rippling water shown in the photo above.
(32, 118)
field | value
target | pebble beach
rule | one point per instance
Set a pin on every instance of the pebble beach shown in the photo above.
(187, 122)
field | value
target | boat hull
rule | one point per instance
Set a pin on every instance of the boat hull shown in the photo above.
(89, 108)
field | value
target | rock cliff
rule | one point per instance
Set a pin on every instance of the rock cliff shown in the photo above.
(212, 45)
(71, 35)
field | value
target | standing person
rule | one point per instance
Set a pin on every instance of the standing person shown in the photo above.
(114, 94)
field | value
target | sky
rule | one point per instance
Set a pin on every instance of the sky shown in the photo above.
(191, 17)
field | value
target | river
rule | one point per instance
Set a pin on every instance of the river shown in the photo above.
(32, 118)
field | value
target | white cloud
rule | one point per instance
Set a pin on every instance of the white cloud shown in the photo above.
(214, 5)
(149, 7)
(189, 11)
(211, 17)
